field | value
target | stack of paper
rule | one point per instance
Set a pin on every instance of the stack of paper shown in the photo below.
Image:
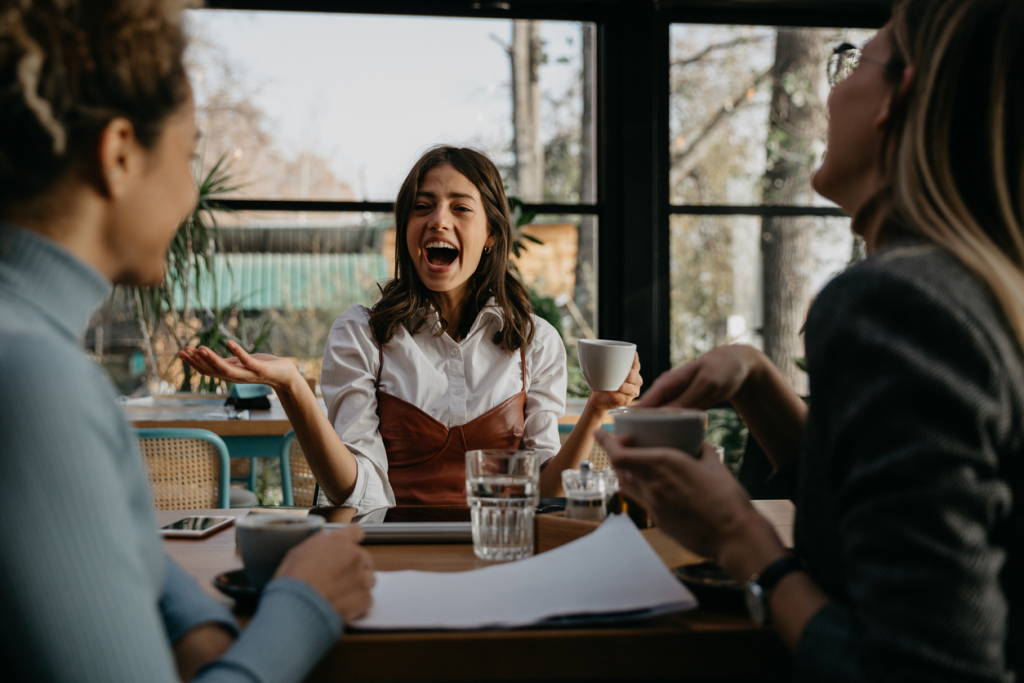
(612, 571)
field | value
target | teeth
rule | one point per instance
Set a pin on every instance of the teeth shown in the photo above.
(437, 244)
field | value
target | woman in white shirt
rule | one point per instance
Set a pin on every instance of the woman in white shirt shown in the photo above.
(450, 359)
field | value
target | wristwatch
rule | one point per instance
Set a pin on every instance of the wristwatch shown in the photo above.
(760, 586)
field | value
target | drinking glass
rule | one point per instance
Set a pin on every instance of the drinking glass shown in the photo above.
(587, 491)
(502, 490)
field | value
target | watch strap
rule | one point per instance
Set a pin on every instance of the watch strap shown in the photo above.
(773, 573)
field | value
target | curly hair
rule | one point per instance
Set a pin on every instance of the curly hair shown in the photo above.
(404, 297)
(69, 67)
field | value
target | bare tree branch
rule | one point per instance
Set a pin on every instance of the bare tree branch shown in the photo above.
(735, 42)
(504, 46)
(684, 161)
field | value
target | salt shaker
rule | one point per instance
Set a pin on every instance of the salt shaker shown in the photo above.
(587, 491)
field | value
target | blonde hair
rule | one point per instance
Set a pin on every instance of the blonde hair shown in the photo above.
(957, 176)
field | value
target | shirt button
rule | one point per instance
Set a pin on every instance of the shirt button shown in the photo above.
(457, 392)
(455, 352)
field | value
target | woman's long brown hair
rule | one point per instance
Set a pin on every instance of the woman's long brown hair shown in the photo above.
(957, 174)
(405, 298)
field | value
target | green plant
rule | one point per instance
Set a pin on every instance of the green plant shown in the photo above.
(173, 313)
(545, 307)
(577, 386)
(727, 429)
(268, 482)
(216, 334)
(520, 219)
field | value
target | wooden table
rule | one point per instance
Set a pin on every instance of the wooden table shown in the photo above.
(257, 437)
(696, 644)
(205, 411)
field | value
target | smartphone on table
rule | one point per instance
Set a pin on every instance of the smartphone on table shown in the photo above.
(196, 527)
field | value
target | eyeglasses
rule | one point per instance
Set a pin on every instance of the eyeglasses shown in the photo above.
(844, 61)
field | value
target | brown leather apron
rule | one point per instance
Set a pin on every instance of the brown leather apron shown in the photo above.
(426, 459)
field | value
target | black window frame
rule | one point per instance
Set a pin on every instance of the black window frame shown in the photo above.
(633, 207)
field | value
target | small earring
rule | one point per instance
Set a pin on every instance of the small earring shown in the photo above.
(487, 250)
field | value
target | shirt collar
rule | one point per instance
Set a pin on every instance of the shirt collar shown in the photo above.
(490, 310)
(64, 288)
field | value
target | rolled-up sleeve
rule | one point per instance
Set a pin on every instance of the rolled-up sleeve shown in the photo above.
(907, 410)
(547, 379)
(348, 385)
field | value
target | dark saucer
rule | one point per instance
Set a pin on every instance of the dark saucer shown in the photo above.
(235, 584)
(714, 589)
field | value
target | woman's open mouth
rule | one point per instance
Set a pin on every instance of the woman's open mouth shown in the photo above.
(440, 256)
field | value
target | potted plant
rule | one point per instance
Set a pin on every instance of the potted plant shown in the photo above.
(173, 315)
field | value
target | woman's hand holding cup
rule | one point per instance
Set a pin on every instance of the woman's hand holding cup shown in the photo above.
(621, 397)
(337, 567)
(697, 502)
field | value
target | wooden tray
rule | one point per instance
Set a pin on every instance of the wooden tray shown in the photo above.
(553, 529)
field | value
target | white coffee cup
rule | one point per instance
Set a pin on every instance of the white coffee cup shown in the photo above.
(265, 539)
(605, 363)
(681, 428)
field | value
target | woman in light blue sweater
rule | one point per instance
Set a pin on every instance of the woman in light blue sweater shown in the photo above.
(97, 130)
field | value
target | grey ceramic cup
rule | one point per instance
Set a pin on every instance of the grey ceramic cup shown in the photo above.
(605, 363)
(681, 428)
(265, 539)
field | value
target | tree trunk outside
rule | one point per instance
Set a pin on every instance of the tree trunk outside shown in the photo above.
(526, 54)
(586, 280)
(797, 123)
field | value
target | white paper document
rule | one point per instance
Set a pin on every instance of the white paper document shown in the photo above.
(612, 570)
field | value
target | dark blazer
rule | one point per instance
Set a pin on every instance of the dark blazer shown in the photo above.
(910, 488)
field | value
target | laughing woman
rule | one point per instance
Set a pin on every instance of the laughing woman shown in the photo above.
(449, 360)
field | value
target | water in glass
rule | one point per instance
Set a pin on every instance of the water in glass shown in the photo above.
(502, 493)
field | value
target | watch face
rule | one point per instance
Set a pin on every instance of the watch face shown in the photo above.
(755, 603)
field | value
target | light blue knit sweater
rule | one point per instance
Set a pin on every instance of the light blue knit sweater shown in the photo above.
(86, 591)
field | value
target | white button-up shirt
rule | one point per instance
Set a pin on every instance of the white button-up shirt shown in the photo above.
(453, 382)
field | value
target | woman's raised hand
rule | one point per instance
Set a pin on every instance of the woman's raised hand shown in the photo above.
(716, 376)
(243, 368)
(630, 389)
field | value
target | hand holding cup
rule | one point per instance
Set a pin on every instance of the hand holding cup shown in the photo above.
(621, 396)
(337, 567)
(332, 563)
(695, 500)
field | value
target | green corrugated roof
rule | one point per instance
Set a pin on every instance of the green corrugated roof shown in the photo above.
(292, 281)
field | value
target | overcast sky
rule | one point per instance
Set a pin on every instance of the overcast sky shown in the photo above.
(371, 93)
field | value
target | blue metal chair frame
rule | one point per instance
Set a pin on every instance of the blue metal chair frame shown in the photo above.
(204, 435)
(286, 469)
(567, 429)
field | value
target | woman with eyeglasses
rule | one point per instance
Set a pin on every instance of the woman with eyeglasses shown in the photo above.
(909, 534)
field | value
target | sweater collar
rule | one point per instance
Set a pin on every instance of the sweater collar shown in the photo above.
(64, 288)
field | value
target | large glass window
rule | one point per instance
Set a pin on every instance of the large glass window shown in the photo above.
(334, 108)
(717, 277)
(338, 106)
(748, 127)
